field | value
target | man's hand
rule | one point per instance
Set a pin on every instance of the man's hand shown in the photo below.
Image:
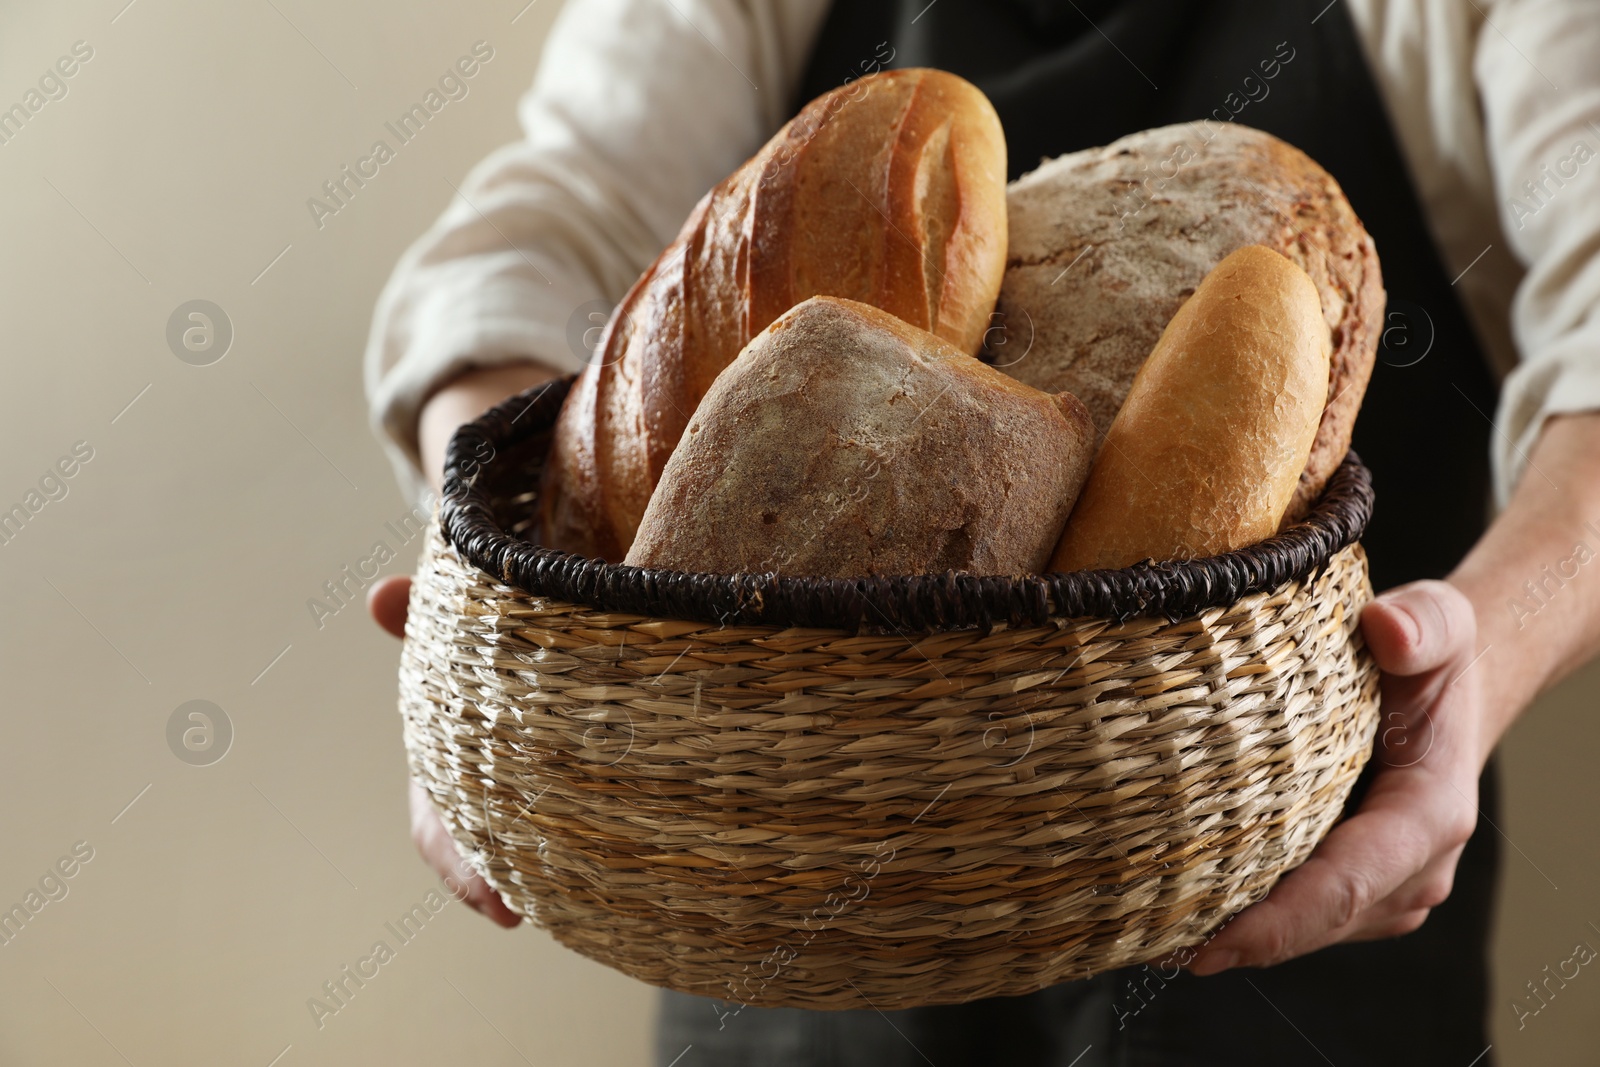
(386, 601)
(1379, 872)
(458, 401)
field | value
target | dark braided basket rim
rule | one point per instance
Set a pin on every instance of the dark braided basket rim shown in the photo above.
(480, 455)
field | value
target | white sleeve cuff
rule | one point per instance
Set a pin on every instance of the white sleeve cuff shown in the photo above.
(492, 318)
(1563, 379)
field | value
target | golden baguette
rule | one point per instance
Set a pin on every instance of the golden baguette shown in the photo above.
(1206, 451)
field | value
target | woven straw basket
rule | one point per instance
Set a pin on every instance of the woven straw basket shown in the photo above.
(887, 792)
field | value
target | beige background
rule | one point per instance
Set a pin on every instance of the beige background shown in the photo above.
(179, 564)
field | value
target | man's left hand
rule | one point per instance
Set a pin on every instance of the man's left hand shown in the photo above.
(1379, 872)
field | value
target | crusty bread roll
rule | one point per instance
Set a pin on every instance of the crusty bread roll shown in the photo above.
(844, 442)
(890, 190)
(1108, 242)
(1207, 449)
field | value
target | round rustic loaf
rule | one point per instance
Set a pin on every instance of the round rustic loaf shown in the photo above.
(1107, 243)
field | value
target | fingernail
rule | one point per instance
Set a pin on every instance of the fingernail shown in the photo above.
(1408, 621)
(1411, 626)
(1213, 962)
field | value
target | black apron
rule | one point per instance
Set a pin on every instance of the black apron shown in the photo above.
(1071, 75)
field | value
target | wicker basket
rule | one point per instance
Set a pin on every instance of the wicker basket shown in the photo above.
(887, 792)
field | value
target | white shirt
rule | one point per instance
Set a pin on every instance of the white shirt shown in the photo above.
(640, 106)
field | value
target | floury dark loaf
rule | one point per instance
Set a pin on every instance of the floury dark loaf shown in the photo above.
(844, 442)
(1106, 244)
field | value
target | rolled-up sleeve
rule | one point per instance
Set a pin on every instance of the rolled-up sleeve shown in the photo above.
(638, 107)
(1537, 67)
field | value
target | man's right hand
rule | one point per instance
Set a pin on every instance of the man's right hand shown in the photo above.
(387, 601)
(460, 400)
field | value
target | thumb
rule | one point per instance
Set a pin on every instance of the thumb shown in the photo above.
(1419, 627)
(387, 601)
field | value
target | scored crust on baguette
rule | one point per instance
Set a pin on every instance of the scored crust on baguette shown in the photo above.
(844, 442)
(890, 190)
(1206, 452)
(1108, 242)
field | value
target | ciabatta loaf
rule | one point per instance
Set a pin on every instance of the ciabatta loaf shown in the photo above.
(1107, 243)
(844, 442)
(1207, 449)
(890, 190)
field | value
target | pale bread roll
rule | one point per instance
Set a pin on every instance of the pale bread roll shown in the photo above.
(844, 442)
(1207, 449)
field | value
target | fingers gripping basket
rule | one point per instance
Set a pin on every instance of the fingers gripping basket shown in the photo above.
(895, 792)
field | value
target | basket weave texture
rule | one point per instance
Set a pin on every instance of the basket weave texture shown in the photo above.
(877, 815)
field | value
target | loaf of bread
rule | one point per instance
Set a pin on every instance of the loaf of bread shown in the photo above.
(844, 442)
(890, 190)
(1207, 449)
(1108, 242)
